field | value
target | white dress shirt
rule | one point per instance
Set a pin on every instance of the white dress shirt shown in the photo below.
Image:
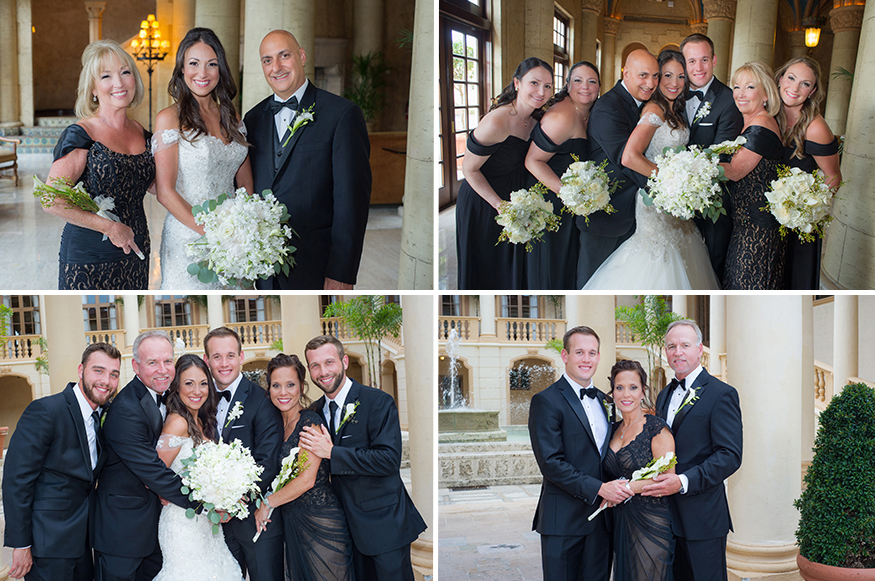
(637, 102)
(340, 400)
(283, 119)
(223, 406)
(161, 407)
(693, 102)
(595, 414)
(90, 427)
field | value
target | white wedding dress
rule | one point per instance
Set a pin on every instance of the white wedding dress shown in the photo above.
(664, 253)
(190, 549)
(207, 168)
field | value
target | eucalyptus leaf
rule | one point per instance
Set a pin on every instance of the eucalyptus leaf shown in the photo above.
(205, 275)
(185, 490)
(194, 268)
(189, 512)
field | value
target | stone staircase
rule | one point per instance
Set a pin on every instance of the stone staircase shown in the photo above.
(487, 464)
(43, 137)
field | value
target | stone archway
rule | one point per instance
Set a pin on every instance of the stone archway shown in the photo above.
(390, 379)
(527, 375)
(16, 392)
(255, 370)
(357, 367)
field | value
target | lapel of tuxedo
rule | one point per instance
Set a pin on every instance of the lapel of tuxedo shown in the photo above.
(239, 396)
(698, 386)
(308, 99)
(632, 110)
(573, 398)
(153, 414)
(79, 422)
(261, 135)
(351, 398)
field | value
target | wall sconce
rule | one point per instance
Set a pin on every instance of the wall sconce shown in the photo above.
(812, 31)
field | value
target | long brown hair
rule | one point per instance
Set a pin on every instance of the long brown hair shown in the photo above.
(675, 113)
(508, 95)
(188, 109)
(795, 136)
(206, 413)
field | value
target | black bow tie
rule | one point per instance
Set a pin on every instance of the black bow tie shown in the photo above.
(699, 94)
(277, 106)
(588, 392)
(161, 398)
(226, 395)
(675, 383)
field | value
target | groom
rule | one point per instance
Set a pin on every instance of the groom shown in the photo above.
(259, 427)
(320, 171)
(570, 431)
(705, 417)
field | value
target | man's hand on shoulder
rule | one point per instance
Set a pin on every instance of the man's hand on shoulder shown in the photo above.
(331, 284)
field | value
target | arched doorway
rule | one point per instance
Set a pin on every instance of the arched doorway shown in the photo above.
(527, 376)
(255, 370)
(356, 369)
(462, 382)
(16, 392)
(390, 379)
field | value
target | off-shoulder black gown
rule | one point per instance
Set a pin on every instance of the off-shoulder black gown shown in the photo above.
(315, 531)
(757, 255)
(482, 264)
(552, 263)
(803, 258)
(86, 261)
(643, 541)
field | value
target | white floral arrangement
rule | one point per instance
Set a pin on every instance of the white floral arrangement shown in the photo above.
(586, 188)
(526, 216)
(653, 468)
(221, 476)
(728, 147)
(292, 465)
(303, 117)
(235, 413)
(703, 111)
(245, 239)
(348, 412)
(800, 201)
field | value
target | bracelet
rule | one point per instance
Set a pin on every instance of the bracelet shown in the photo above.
(267, 502)
(629, 488)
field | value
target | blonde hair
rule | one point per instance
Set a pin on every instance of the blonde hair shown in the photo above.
(795, 136)
(763, 77)
(93, 58)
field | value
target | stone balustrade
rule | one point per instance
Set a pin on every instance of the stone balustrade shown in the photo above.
(20, 348)
(517, 330)
(468, 328)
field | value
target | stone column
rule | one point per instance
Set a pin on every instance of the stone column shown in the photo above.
(797, 44)
(589, 29)
(717, 340)
(755, 26)
(223, 16)
(215, 311)
(25, 62)
(262, 16)
(846, 340)
(368, 26)
(845, 23)
(416, 268)
(539, 31)
(62, 320)
(300, 317)
(8, 66)
(609, 69)
(597, 312)
(487, 317)
(131, 322)
(95, 10)
(720, 14)
(679, 305)
(763, 543)
(164, 13)
(419, 314)
(807, 392)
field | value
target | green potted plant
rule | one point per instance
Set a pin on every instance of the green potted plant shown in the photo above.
(368, 84)
(836, 534)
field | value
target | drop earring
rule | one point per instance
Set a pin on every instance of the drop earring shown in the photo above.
(94, 98)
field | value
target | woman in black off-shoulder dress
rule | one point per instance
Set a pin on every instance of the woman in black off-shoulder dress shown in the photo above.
(809, 145)
(756, 257)
(494, 166)
(110, 155)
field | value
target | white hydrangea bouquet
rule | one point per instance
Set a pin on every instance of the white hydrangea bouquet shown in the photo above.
(245, 239)
(293, 464)
(525, 216)
(654, 467)
(800, 201)
(688, 180)
(586, 188)
(221, 477)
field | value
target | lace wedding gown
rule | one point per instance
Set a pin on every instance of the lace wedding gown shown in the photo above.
(207, 167)
(190, 549)
(664, 253)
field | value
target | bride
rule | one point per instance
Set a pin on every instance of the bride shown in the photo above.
(664, 253)
(190, 549)
(199, 147)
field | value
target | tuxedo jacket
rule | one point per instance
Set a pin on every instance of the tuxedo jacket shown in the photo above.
(259, 428)
(613, 118)
(722, 123)
(364, 466)
(569, 458)
(127, 508)
(48, 482)
(324, 179)
(708, 444)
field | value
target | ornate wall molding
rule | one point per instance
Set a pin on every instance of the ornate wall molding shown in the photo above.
(846, 18)
(720, 9)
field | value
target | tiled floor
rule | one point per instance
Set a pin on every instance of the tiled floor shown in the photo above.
(30, 238)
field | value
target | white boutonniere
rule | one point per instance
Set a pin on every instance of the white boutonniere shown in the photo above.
(609, 407)
(703, 111)
(302, 118)
(690, 400)
(348, 412)
(235, 413)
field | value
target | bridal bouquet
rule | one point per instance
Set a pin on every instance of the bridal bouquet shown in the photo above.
(221, 476)
(800, 202)
(244, 239)
(77, 197)
(654, 467)
(586, 188)
(526, 216)
(293, 464)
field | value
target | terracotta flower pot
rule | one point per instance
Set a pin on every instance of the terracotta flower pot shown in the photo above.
(817, 572)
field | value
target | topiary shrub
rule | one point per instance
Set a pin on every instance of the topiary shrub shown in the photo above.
(837, 509)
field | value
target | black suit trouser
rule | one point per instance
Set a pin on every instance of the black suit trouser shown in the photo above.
(113, 568)
(48, 569)
(700, 560)
(262, 560)
(392, 566)
(586, 558)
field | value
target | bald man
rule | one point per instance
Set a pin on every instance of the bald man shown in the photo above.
(612, 120)
(320, 171)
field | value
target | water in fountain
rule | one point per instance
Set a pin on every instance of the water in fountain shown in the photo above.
(451, 391)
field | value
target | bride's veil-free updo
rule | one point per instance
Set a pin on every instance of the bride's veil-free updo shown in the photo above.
(206, 413)
(632, 365)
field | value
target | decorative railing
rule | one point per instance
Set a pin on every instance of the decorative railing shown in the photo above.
(335, 327)
(20, 348)
(192, 336)
(116, 338)
(529, 330)
(823, 385)
(258, 333)
(468, 328)
(624, 334)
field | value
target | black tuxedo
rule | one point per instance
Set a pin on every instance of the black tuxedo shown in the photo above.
(364, 467)
(613, 118)
(259, 428)
(571, 462)
(708, 444)
(323, 176)
(127, 508)
(48, 485)
(722, 123)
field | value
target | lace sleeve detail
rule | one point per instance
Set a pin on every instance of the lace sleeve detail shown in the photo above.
(651, 119)
(169, 441)
(653, 425)
(164, 139)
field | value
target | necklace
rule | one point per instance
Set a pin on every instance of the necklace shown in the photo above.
(623, 430)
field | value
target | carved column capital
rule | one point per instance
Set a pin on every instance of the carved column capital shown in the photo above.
(719, 9)
(846, 18)
(612, 25)
(95, 8)
(699, 28)
(592, 5)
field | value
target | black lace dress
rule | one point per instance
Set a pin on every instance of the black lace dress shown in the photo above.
(315, 532)
(483, 262)
(552, 264)
(643, 541)
(803, 258)
(86, 261)
(757, 255)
